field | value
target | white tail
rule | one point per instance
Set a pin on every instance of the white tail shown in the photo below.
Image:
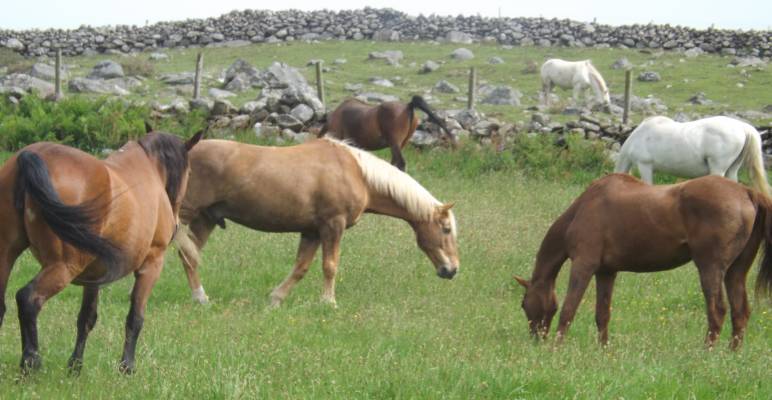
(188, 249)
(755, 161)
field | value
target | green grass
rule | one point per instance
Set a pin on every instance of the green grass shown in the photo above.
(681, 77)
(399, 331)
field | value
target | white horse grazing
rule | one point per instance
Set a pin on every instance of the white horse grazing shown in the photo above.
(715, 146)
(579, 75)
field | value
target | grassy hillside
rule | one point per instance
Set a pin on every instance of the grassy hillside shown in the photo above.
(682, 77)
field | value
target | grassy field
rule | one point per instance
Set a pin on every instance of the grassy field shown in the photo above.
(399, 331)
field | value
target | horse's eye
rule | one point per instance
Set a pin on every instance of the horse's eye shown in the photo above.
(446, 230)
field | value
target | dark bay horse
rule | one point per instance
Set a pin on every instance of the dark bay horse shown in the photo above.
(622, 224)
(89, 222)
(373, 127)
(318, 189)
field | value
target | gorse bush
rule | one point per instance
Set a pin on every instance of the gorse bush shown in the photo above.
(88, 124)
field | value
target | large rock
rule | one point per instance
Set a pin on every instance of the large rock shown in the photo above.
(24, 83)
(378, 81)
(429, 66)
(119, 87)
(287, 121)
(182, 78)
(462, 54)
(391, 56)
(14, 44)
(280, 75)
(222, 107)
(444, 86)
(423, 139)
(106, 69)
(241, 76)
(46, 72)
(303, 113)
(501, 95)
(458, 37)
(220, 94)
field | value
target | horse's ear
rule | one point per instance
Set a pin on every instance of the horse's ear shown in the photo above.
(444, 208)
(522, 281)
(148, 127)
(193, 140)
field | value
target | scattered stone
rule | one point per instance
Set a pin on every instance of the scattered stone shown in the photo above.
(462, 54)
(622, 63)
(391, 56)
(500, 95)
(378, 81)
(373, 97)
(423, 139)
(649, 76)
(220, 94)
(119, 87)
(495, 60)
(158, 56)
(693, 52)
(23, 83)
(339, 61)
(182, 78)
(46, 72)
(222, 107)
(240, 122)
(202, 104)
(303, 113)
(353, 87)
(700, 99)
(429, 66)
(14, 44)
(386, 35)
(444, 86)
(287, 121)
(745, 62)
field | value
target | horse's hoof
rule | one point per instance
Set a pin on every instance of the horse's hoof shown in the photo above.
(74, 366)
(126, 367)
(330, 301)
(200, 297)
(30, 363)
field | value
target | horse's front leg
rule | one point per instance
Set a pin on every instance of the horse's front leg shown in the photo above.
(309, 243)
(331, 234)
(8, 256)
(396, 156)
(604, 284)
(145, 278)
(581, 273)
(190, 241)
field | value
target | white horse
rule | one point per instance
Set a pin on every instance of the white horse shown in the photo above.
(579, 75)
(715, 146)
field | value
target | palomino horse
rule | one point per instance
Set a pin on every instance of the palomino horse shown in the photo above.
(318, 189)
(90, 222)
(576, 75)
(621, 224)
(389, 124)
(715, 146)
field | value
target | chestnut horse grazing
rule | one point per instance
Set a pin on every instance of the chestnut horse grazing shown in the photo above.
(89, 222)
(319, 189)
(390, 124)
(622, 224)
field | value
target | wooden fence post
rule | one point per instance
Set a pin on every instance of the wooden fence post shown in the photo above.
(197, 81)
(58, 76)
(320, 83)
(472, 88)
(628, 95)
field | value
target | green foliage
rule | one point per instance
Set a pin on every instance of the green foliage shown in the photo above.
(138, 66)
(87, 124)
(533, 156)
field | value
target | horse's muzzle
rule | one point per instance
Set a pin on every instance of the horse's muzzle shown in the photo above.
(446, 273)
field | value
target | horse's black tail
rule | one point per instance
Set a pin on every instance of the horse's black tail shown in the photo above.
(419, 103)
(72, 224)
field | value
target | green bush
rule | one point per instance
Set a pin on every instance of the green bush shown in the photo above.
(90, 125)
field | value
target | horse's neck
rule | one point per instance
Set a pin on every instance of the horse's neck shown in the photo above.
(552, 252)
(385, 205)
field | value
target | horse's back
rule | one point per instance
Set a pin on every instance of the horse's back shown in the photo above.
(273, 188)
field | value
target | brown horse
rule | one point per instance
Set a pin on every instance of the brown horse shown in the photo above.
(318, 189)
(621, 224)
(89, 222)
(390, 124)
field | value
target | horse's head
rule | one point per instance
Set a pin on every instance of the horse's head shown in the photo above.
(437, 238)
(540, 303)
(171, 154)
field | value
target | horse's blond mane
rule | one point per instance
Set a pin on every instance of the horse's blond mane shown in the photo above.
(386, 179)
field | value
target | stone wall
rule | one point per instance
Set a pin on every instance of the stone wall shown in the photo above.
(379, 24)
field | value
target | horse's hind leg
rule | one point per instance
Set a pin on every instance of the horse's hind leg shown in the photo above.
(396, 156)
(646, 171)
(87, 318)
(604, 283)
(190, 244)
(734, 281)
(30, 299)
(711, 276)
(306, 251)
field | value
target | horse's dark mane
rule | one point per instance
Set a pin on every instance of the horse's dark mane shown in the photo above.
(171, 153)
